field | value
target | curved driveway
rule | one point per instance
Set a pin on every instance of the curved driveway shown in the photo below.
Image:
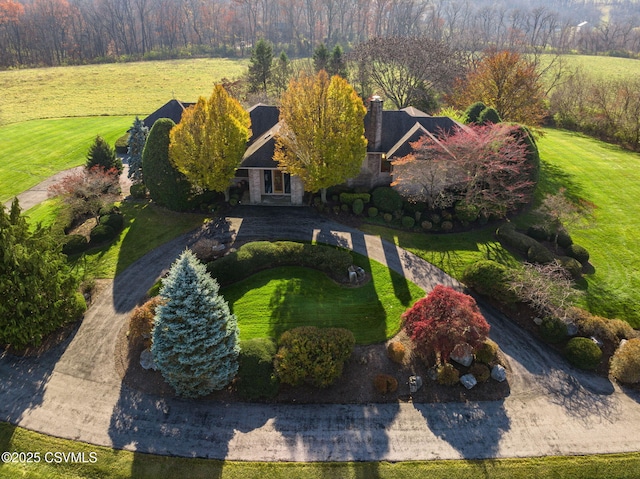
(74, 391)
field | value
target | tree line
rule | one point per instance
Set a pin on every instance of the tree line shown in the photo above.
(57, 32)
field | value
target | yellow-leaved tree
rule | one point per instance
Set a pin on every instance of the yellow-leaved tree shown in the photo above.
(208, 144)
(321, 139)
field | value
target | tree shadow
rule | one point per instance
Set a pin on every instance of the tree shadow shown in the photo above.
(553, 178)
(474, 429)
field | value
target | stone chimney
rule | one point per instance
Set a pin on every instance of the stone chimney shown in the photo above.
(373, 128)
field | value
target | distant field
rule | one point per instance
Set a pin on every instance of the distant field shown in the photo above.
(112, 89)
(601, 66)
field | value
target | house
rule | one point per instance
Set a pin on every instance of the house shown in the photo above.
(388, 132)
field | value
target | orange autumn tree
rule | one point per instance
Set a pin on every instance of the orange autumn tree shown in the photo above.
(443, 320)
(208, 144)
(321, 139)
(508, 82)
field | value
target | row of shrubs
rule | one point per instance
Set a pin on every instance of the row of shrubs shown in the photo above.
(259, 255)
(108, 227)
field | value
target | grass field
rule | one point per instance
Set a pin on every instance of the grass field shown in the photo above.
(601, 66)
(273, 301)
(32, 151)
(115, 89)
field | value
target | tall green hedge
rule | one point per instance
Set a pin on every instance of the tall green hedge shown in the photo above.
(167, 186)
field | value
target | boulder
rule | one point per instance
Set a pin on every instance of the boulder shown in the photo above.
(415, 383)
(463, 355)
(537, 321)
(572, 328)
(147, 361)
(468, 381)
(498, 373)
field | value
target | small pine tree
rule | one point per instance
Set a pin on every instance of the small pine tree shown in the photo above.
(102, 155)
(281, 72)
(321, 58)
(260, 66)
(135, 145)
(337, 65)
(195, 335)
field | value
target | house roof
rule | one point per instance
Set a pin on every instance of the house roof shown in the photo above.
(259, 153)
(172, 109)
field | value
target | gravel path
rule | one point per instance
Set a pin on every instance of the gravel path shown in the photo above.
(74, 392)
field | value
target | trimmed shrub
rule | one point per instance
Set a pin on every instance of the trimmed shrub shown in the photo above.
(313, 355)
(489, 115)
(508, 236)
(539, 232)
(426, 225)
(435, 218)
(350, 198)
(138, 191)
(578, 252)
(74, 244)
(258, 255)
(553, 329)
(564, 239)
(384, 383)
(491, 279)
(386, 199)
(472, 113)
(487, 353)
(408, 222)
(102, 155)
(605, 329)
(539, 254)
(625, 363)
(344, 207)
(257, 378)
(388, 217)
(583, 353)
(481, 372)
(372, 212)
(357, 207)
(102, 233)
(446, 226)
(572, 265)
(142, 319)
(396, 352)
(466, 212)
(115, 220)
(448, 375)
(108, 210)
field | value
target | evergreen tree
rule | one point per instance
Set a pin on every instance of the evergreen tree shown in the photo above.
(195, 336)
(39, 293)
(337, 65)
(135, 145)
(281, 72)
(321, 58)
(260, 66)
(102, 155)
(167, 186)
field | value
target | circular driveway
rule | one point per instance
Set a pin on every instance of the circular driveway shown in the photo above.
(74, 392)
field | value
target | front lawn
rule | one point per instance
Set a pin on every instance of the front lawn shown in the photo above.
(273, 301)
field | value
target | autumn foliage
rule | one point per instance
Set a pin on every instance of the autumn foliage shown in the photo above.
(443, 320)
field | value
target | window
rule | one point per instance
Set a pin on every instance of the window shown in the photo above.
(385, 166)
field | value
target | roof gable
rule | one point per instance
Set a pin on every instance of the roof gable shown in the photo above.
(172, 109)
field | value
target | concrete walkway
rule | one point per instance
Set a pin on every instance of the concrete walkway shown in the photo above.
(74, 392)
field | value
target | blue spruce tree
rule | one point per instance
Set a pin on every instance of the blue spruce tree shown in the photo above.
(135, 144)
(195, 336)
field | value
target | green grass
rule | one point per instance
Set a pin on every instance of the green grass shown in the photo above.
(34, 150)
(273, 301)
(117, 464)
(602, 66)
(115, 89)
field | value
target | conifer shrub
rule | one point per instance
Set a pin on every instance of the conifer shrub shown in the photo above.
(372, 212)
(572, 265)
(539, 254)
(539, 232)
(344, 208)
(101, 234)
(448, 375)
(357, 207)
(625, 363)
(102, 155)
(605, 329)
(564, 239)
(487, 353)
(313, 355)
(480, 371)
(472, 113)
(385, 383)
(553, 329)
(386, 199)
(466, 212)
(491, 279)
(508, 236)
(74, 244)
(396, 352)
(195, 335)
(578, 252)
(446, 226)
(489, 115)
(583, 353)
(257, 378)
(114, 220)
(388, 217)
(408, 222)
(426, 225)
(350, 198)
(138, 191)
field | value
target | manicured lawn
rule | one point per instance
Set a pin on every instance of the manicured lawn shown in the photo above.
(273, 301)
(113, 89)
(34, 150)
(146, 227)
(117, 464)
